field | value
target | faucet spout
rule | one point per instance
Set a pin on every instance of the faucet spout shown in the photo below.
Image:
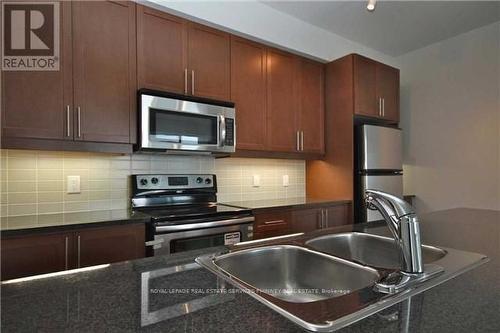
(404, 226)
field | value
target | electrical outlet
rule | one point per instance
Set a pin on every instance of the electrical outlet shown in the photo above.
(256, 180)
(286, 180)
(73, 184)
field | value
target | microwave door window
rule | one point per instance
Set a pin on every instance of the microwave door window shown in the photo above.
(182, 128)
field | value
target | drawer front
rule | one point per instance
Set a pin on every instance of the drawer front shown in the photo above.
(272, 222)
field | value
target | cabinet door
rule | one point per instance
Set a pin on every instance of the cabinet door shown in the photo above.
(36, 254)
(312, 112)
(338, 215)
(208, 62)
(388, 90)
(39, 104)
(306, 220)
(161, 51)
(248, 92)
(104, 70)
(109, 244)
(282, 101)
(365, 92)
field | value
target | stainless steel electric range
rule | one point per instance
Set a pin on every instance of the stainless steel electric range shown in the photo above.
(185, 214)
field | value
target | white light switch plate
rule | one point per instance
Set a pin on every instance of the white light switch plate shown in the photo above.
(73, 184)
(286, 180)
(256, 180)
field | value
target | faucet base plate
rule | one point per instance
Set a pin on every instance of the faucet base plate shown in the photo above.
(398, 281)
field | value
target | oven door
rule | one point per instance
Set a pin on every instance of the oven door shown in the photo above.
(173, 124)
(181, 241)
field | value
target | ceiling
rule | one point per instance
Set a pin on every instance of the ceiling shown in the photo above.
(395, 27)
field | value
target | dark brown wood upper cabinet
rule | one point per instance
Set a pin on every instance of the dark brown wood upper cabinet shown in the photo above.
(365, 91)
(161, 51)
(388, 91)
(312, 108)
(209, 62)
(376, 89)
(92, 98)
(179, 56)
(104, 70)
(282, 102)
(39, 104)
(248, 92)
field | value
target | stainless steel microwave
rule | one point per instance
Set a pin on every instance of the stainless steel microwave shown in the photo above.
(171, 122)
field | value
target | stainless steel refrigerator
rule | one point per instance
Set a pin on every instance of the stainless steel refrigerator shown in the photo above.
(378, 165)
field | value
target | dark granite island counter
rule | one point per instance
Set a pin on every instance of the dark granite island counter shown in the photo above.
(172, 294)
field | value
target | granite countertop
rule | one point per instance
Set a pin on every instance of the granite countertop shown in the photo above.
(172, 293)
(66, 221)
(90, 219)
(282, 203)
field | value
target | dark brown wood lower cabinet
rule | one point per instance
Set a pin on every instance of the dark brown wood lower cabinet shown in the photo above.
(106, 245)
(51, 252)
(282, 221)
(338, 215)
(306, 220)
(271, 223)
(36, 254)
(310, 219)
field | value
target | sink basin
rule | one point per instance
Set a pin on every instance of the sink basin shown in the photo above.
(369, 249)
(303, 284)
(295, 274)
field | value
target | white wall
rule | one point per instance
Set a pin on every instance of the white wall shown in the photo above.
(451, 118)
(262, 23)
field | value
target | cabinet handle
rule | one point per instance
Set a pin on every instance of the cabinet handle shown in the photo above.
(383, 107)
(320, 219)
(78, 251)
(68, 133)
(66, 252)
(192, 82)
(185, 81)
(79, 121)
(274, 222)
(301, 140)
(380, 107)
(298, 140)
(326, 218)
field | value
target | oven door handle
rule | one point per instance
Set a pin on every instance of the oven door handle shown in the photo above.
(155, 242)
(203, 225)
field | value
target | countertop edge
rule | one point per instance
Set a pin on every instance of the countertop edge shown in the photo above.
(8, 233)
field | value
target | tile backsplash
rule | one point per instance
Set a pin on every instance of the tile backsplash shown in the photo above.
(33, 183)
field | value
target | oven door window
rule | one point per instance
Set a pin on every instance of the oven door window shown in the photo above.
(195, 243)
(182, 127)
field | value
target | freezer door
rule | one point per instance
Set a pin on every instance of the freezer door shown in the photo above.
(381, 148)
(392, 184)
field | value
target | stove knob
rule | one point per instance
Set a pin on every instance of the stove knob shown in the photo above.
(199, 180)
(154, 180)
(144, 181)
(208, 181)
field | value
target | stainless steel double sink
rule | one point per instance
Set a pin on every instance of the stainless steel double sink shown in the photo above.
(327, 282)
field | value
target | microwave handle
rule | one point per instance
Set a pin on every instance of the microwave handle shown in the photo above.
(222, 130)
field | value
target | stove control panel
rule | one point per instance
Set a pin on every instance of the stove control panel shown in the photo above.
(173, 182)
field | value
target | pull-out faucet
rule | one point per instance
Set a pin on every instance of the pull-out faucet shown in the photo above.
(403, 223)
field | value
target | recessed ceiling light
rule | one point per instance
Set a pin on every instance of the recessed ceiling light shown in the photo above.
(371, 5)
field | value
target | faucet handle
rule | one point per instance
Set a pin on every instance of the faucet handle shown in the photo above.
(399, 206)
